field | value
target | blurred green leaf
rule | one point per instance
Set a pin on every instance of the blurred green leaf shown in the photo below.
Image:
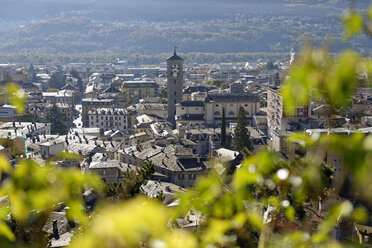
(360, 215)
(290, 213)
(353, 23)
(6, 232)
(17, 96)
(256, 220)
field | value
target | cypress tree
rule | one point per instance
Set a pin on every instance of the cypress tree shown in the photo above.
(241, 134)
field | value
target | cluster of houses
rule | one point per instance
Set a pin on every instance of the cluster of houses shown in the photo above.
(170, 116)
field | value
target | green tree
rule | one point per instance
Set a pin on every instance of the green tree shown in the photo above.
(223, 129)
(57, 119)
(215, 82)
(29, 117)
(241, 134)
(57, 80)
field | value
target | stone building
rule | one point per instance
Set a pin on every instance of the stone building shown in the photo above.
(174, 84)
(230, 102)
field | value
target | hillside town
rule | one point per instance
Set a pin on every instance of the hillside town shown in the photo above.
(183, 118)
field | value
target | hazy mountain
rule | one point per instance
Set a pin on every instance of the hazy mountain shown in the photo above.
(154, 26)
(158, 10)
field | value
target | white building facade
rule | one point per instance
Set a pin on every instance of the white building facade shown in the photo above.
(216, 103)
(108, 118)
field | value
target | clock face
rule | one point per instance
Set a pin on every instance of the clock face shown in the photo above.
(175, 70)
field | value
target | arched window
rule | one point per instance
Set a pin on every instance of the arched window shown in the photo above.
(217, 113)
(231, 113)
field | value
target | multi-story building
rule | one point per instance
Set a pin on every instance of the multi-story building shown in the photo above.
(139, 72)
(215, 103)
(62, 96)
(277, 119)
(206, 140)
(90, 103)
(279, 124)
(8, 112)
(190, 113)
(141, 89)
(108, 118)
(114, 93)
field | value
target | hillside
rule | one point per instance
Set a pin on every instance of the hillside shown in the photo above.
(152, 27)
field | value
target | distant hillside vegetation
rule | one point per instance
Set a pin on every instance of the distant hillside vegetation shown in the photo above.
(152, 27)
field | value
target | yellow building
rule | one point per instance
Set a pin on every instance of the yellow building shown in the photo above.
(141, 89)
(12, 146)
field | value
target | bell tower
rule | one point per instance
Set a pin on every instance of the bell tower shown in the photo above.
(174, 84)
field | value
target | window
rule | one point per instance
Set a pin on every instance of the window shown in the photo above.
(192, 176)
(181, 176)
(216, 105)
(231, 113)
(217, 113)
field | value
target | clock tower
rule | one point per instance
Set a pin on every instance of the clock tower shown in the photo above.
(174, 84)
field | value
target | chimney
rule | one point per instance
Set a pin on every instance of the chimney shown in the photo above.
(198, 159)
